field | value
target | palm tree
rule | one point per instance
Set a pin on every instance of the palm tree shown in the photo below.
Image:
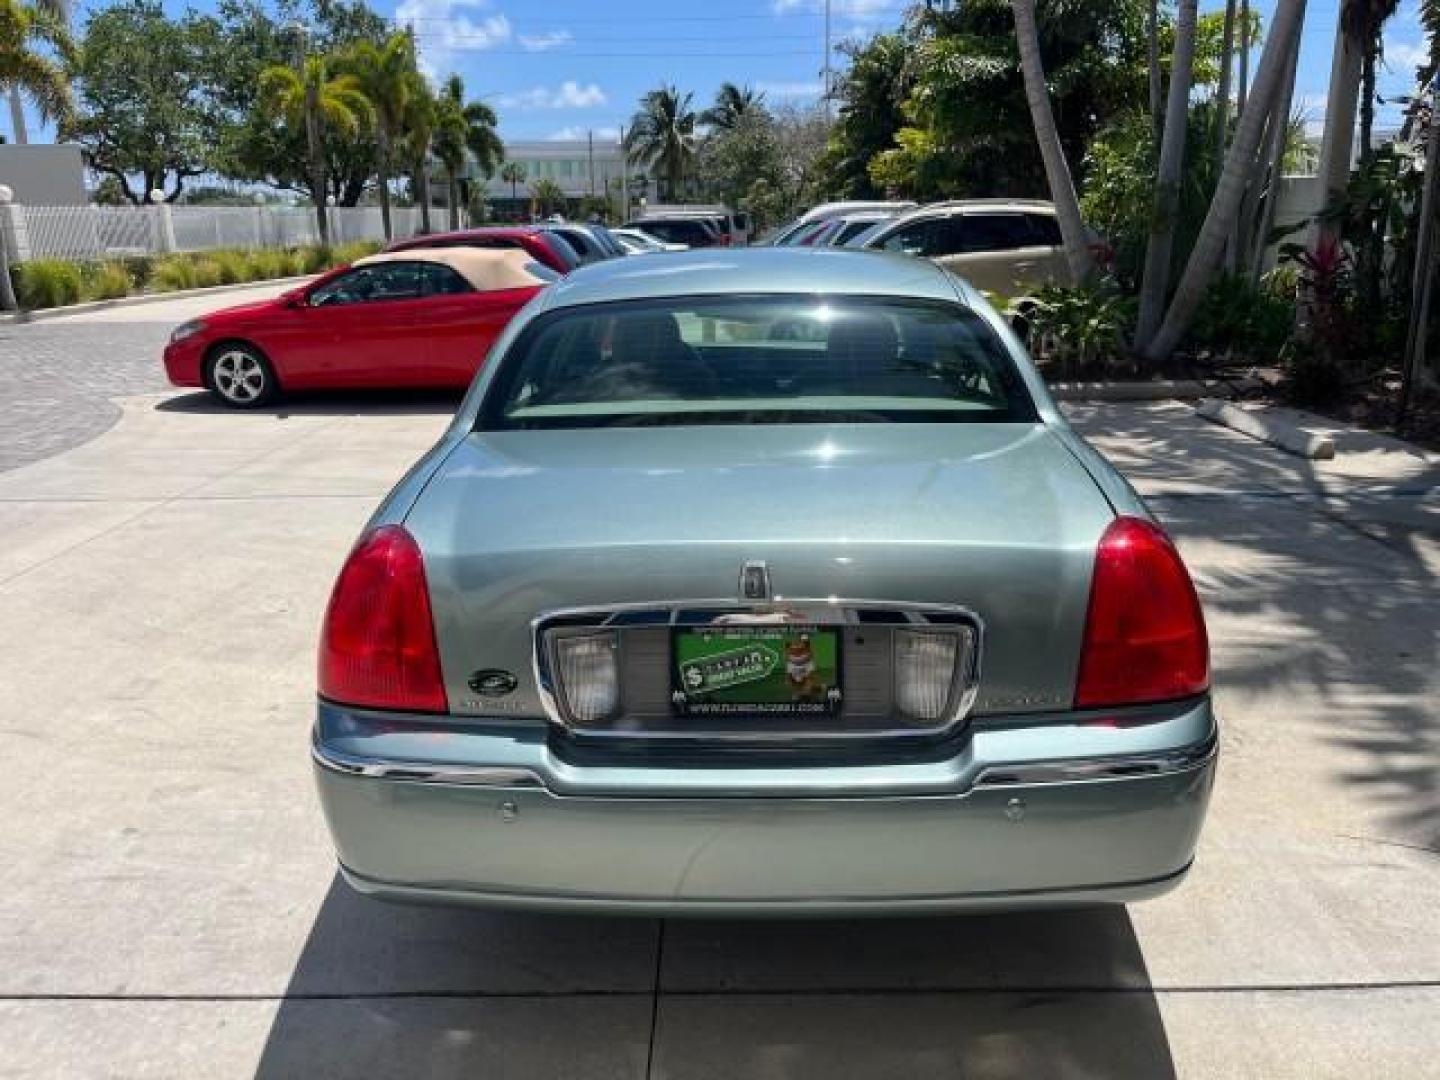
(421, 120)
(1057, 169)
(25, 71)
(386, 73)
(1161, 244)
(732, 104)
(662, 136)
(1369, 17)
(314, 100)
(466, 126)
(1219, 224)
(547, 195)
(514, 174)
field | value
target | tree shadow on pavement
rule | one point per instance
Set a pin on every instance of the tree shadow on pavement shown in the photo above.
(382, 990)
(327, 403)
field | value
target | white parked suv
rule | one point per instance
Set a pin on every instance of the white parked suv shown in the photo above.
(1009, 247)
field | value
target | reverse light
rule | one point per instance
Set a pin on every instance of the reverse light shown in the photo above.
(186, 329)
(925, 664)
(377, 646)
(1144, 633)
(589, 671)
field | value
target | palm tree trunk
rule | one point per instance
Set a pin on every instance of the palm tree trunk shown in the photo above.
(1279, 135)
(1152, 53)
(1242, 93)
(314, 144)
(17, 117)
(1222, 96)
(422, 188)
(1424, 281)
(1367, 100)
(382, 170)
(1160, 248)
(453, 198)
(1057, 169)
(1338, 143)
(1225, 206)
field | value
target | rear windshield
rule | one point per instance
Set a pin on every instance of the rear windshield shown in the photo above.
(748, 360)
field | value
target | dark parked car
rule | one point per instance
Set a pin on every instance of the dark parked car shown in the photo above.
(692, 232)
(593, 243)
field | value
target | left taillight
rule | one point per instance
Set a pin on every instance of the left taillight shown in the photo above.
(377, 646)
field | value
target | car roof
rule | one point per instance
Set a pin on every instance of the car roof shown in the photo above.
(800, 271)
(485, 269)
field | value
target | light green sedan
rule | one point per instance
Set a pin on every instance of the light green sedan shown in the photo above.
(763, 582)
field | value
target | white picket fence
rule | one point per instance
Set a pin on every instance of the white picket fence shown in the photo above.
(100, 232)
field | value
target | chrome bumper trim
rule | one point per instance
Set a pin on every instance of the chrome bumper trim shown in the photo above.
(1031, 774)
(417, 772)
(1159, 763)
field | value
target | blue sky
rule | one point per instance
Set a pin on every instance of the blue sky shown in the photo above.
(564, 67)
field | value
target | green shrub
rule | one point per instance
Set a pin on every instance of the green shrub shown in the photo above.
(45, 283)
(315, 258)
(1078, 328)
(207, 272)
(356, 249)
(106, 281)
(139, 268)
(1241, 321)
(232, 266)
(173, 273)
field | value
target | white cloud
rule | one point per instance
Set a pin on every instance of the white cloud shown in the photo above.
(551, 39)
(443, 27)
(858, 9)
(568, 95)
(1403, 56)
(574, 131)
(806, 88)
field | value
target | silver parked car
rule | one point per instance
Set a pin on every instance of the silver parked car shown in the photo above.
(757, 582)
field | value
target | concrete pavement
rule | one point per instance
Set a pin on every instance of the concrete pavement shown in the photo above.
(172, 909)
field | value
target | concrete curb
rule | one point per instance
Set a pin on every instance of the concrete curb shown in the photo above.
(142, 298)
(1154, 390)
(1268, 429)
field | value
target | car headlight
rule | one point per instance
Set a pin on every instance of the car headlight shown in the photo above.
(185, 330)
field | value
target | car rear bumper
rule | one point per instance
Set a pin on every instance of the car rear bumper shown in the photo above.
(1101, 828)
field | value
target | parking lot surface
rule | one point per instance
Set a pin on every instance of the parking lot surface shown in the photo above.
(171, 906)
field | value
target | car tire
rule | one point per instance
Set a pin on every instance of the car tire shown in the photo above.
(240, 375)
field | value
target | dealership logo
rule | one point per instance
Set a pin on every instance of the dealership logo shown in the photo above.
(493, 682)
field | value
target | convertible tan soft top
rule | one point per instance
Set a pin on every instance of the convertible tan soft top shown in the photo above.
(487, 269)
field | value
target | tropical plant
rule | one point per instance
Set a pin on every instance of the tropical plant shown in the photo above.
(871, 93)
(514, 174)
(1316, 369)
(1079, 328)
(1224, 211)
(1155, 280)
(314, 100)
(547, 195)
(661, 138)
(732, 105)
(28, 36)
(421, 118)
(1047, 135)
(385, 74)
(463, 127)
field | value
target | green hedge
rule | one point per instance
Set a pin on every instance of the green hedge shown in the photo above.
(48, 283)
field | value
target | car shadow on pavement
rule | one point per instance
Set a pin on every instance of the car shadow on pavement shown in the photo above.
(327, 403)
(382, 990)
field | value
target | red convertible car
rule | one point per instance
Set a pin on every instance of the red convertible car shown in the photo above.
(404, 319)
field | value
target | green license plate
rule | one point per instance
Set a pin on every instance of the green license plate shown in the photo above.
(749, 670)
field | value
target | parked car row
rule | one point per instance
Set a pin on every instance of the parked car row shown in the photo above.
(1008, 247)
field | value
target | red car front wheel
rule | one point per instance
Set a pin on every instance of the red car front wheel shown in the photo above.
(240, 376)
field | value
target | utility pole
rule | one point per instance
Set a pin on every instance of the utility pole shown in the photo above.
(590, 143)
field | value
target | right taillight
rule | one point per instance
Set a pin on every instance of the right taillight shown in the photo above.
(1144, 632)
(377, 647)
